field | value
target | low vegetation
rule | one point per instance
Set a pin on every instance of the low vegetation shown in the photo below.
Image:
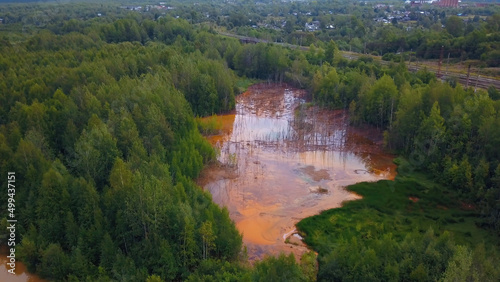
(209, 125)
(410, 229)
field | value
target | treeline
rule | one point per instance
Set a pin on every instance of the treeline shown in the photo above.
(422, 33)
(407, 229)
(461, 38)
(97, 121)
(360, 27)
(453, 134)
(417, 257)
(105, 148)
(104, 145)
(442, 128)
(137, 58)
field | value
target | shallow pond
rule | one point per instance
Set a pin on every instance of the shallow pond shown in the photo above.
(282, 160)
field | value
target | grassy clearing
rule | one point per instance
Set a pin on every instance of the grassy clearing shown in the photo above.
(242, 83)
(209, 125)
(411, 203)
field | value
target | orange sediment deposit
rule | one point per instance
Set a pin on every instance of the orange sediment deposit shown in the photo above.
(214, 172)
(280, 162)
(226, 126)
(257, 230)
(21, 273)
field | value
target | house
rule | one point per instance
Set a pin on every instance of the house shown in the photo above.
(313, 26)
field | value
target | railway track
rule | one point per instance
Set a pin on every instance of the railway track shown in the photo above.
(475, 80)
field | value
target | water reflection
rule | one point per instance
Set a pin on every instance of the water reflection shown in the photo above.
(288, 161)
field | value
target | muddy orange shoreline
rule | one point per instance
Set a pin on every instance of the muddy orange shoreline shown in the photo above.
(21, 273)
(279, 163)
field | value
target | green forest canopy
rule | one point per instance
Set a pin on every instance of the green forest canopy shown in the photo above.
(97, 121)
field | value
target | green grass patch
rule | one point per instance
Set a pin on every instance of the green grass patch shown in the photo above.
(209, 125)
(413, 203)
(242, 83)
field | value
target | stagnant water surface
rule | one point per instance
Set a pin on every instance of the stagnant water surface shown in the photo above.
(21, 273)
(283, 161)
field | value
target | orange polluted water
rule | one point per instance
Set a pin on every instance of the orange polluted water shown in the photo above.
(21, 273)
(283, 161)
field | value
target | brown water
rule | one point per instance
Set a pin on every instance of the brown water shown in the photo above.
(281, 162)
(21, 273)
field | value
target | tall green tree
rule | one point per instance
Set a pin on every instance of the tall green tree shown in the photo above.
(95, 152)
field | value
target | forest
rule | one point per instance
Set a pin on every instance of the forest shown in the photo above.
(469, 33)
(97, 119)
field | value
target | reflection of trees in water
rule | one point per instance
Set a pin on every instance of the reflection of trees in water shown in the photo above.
(284, 137)
(246, 156)
(302, 130)
(286, 126)
(316, 130)
(291, 127)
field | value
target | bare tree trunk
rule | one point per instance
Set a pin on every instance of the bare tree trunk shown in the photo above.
(392, 108)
